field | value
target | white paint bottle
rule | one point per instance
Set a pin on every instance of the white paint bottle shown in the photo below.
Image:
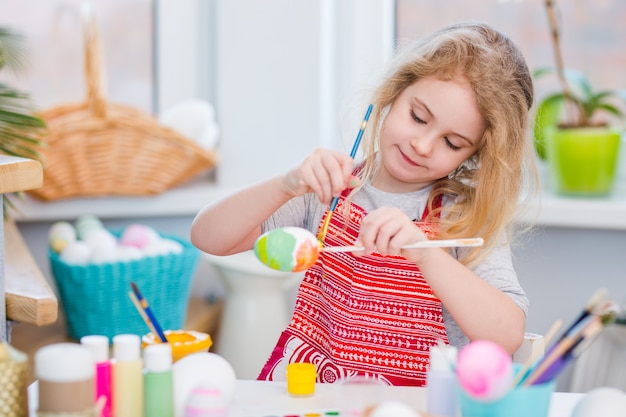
(441, 382)
(127, 376)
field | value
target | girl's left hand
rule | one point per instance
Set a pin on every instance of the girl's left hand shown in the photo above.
(386, 230)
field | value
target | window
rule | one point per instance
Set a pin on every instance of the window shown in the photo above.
(55, 50)
(592, 32)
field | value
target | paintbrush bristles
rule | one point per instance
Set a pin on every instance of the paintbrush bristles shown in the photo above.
(324, 228)
(596, 299)
(134, 287)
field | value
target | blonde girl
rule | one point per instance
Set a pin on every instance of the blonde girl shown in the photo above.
(446, 155)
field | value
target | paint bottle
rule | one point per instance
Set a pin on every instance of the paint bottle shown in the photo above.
(65, 372)
(301, 379)
(158, 381)
(99, 347)
(127, 367)
(441, 383)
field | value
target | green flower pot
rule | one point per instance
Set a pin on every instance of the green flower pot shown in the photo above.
(583, 161)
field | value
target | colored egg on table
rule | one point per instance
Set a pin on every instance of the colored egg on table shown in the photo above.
(602, 401)
(393, 408)
(287, 249)
(202, 369)
(206, 400)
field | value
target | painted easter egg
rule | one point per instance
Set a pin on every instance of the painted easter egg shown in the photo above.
(85, 223)
(60, 234)
(76, 252)
(393, 408)
(601, 401)
(287, 249)
(138, 235)
(202, 369)
(206, 400)
(484, 370)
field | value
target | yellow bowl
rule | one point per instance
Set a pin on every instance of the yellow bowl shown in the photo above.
(183, 342)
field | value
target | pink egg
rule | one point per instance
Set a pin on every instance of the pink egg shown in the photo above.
(484, 370)
(206, 400)
(138, 235)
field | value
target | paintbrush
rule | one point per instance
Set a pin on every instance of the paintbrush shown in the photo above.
(558, 356)
(523, 372)
(355, 147)
(148, 311)
(606, 312)
(142, 313)
(446, 243)
(596, 300)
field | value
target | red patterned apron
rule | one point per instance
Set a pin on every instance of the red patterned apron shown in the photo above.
(369, 316)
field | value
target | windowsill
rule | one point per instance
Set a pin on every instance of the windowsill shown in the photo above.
(589, 213)
(184, 200)
(584, 212)
(557, 211)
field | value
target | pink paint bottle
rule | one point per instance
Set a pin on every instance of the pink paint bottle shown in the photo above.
(99, 347)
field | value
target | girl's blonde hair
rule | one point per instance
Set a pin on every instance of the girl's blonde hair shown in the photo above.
(485, 190)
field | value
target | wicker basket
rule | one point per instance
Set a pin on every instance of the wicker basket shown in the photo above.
(95, 297)
(96, 148)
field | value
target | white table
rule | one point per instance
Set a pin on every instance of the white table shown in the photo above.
(260, 399)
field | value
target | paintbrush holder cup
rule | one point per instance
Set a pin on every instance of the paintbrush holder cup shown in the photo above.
(532, 401)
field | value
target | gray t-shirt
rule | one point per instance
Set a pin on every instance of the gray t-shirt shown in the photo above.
(496, 268)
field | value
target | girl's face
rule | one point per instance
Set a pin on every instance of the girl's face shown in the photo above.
(431, 128)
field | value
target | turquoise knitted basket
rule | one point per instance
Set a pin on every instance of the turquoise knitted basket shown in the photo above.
(95, 297)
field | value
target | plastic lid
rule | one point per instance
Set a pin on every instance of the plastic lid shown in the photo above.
(126, 347)
(443, 358)
(158, 357)
(98, 345)
(64, 362)
(183, 342)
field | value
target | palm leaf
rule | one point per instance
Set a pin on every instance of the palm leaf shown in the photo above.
(21, 129)
(12, 47)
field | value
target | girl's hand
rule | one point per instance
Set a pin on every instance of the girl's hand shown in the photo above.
(387, 230)
(325, 172)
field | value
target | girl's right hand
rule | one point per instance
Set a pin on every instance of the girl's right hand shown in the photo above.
(325, 172)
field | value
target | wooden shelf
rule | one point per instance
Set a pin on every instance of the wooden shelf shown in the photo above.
(19, 174)
(29, 298)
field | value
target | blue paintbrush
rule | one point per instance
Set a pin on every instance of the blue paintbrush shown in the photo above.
(148, 311)
(355, 147)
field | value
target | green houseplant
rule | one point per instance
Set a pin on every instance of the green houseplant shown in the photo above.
(21, 129)
(573, 128)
